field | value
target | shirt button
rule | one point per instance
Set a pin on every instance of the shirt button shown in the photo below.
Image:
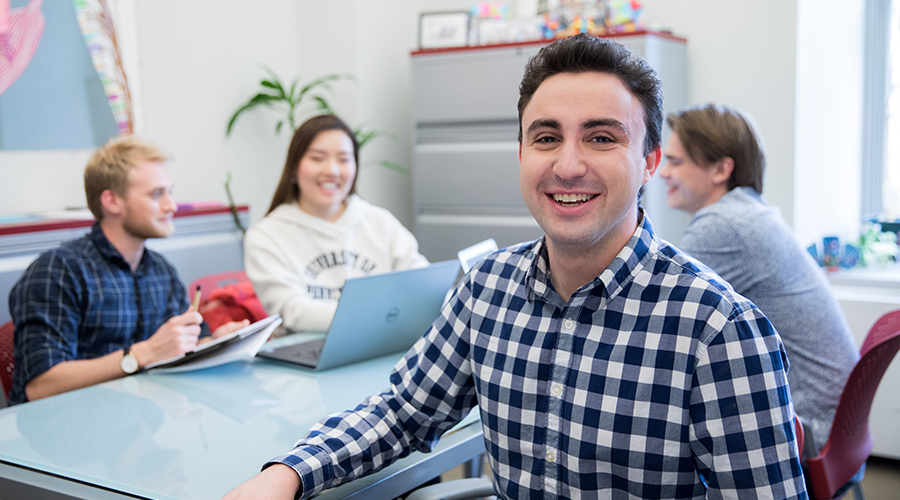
(569, 324)
(556, 390)
(551, 457)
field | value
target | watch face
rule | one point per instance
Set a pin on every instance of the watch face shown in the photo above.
(129, 364)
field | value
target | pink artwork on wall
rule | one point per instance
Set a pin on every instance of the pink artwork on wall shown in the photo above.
(20, 33)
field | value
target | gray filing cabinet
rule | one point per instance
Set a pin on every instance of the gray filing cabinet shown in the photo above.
(465, 163)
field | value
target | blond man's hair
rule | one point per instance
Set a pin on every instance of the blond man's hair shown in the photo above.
(108, 168)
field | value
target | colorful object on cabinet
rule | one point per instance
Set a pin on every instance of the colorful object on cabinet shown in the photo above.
(20, 34)
(598, 17)
(490, 10)
(624, 15)
(549, 26)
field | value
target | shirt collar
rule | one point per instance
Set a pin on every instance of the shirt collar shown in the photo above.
(627, 263)
(109, 252)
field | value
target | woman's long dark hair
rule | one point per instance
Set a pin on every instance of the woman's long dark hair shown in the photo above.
(288, 191)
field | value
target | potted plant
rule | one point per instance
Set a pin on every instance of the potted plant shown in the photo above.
(290, 101)
(295, 103)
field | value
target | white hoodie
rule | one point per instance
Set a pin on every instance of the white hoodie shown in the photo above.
(298, 263)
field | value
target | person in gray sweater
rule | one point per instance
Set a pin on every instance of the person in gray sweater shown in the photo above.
(714, 171)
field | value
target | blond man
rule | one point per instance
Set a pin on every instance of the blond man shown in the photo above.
(102, 306)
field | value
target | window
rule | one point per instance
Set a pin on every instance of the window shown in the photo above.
(881, 155)
(891, 192)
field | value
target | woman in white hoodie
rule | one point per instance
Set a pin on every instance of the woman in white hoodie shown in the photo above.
(318, 233)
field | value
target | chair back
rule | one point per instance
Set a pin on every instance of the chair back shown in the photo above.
(7, 358)
(886, 325)
(213, 281)
(850, 442)
(799, 434)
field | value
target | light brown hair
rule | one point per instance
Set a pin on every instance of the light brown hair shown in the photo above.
(288, 191)
(110, 165)
(711, 132)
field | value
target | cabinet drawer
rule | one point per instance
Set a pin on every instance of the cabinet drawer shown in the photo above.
(442, 236)
(480, 85)
(468, 178)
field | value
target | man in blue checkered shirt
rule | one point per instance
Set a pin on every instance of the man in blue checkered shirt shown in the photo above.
(100, 307)
(604, 362)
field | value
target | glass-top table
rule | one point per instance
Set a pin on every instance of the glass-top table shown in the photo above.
(197, 435)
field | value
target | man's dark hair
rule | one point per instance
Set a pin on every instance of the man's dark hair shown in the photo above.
(583, 53)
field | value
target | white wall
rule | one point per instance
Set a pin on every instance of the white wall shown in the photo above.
(743, 55)
(33, 181)
(199, 61)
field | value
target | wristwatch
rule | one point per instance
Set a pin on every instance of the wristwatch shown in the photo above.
(129, 363)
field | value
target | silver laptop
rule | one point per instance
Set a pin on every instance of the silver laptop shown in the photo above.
(376, 315)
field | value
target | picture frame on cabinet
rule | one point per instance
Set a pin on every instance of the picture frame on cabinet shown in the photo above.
(439, 30)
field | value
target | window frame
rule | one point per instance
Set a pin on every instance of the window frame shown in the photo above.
(875, 101)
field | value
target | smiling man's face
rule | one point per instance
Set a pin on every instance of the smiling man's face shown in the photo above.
(149, 206)
(581, 160)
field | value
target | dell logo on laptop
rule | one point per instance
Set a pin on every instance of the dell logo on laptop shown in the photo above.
(392, 315)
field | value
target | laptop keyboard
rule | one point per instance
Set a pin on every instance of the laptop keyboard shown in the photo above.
(306, 353)
(309, 351)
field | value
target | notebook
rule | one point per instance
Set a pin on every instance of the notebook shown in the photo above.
(237, 345)
(376, 315)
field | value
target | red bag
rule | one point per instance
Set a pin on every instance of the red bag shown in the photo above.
(234, 302)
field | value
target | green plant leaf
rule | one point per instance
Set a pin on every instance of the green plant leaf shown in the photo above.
(322, 81)
(231, 205)
(289, 101)
(323, 104)
(273, 76)
(278, 126)
(294, 89)
(257, 100)
(364, 135)
(276, 86)
(396, 167)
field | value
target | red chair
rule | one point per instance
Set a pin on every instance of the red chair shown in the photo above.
(7, 358)
(209, 283)
(850, 442)
(227, 297)
(886, 325)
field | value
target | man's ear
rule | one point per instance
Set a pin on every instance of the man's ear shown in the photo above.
(722, 170)
(112, 203)
(651, 163)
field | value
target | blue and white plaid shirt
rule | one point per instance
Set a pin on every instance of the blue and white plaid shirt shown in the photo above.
(81, 301)
(655, 380)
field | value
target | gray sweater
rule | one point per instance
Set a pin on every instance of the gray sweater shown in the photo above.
(748, 244)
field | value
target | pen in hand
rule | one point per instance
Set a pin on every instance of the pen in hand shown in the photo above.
(196, 305)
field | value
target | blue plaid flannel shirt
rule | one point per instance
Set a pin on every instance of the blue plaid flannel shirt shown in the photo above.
(81, 301)
(656, 380)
